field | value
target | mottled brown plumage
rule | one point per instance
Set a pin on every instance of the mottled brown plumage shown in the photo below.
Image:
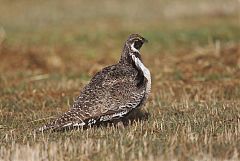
(112, 93)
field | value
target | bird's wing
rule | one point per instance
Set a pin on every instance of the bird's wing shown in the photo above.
(111, 93)
(123, 97)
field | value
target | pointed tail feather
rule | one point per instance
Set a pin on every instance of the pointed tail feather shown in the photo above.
(67, 120)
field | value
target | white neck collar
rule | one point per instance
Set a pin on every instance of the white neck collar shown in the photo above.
(134, 49)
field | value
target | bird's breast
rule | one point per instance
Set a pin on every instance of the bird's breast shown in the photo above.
(146, 73)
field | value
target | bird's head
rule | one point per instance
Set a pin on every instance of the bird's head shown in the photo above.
(132, 46)
(135, 42)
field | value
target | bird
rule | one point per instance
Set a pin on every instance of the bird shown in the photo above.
(112, 93)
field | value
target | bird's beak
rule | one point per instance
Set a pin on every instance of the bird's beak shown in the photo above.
(145, 40)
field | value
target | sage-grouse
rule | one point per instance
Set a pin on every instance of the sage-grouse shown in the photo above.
(112, 93)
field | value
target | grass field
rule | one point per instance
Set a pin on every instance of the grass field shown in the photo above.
(50, 49)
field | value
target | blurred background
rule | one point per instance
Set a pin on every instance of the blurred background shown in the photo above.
(59, 36)
(189, 41)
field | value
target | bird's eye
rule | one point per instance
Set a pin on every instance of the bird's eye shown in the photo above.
(138, 44)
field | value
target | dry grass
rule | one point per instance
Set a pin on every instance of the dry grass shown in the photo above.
(49, 55)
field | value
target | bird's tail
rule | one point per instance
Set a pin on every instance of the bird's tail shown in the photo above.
(68, 120)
